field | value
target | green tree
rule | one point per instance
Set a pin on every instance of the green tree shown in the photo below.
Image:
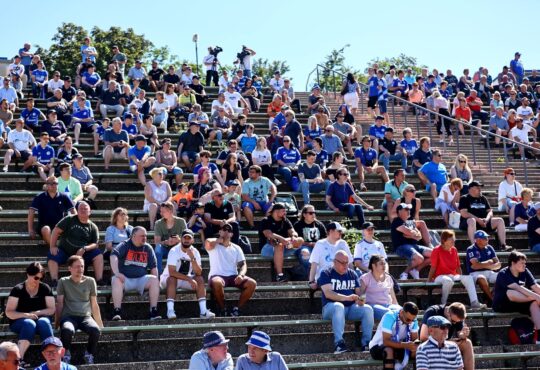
(330, 78)
(265, 68)
(402, 61)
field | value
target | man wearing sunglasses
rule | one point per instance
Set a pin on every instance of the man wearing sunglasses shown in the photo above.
(9, 356)
(437, 352)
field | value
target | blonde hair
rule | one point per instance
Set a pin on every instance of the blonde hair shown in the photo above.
(116, 213)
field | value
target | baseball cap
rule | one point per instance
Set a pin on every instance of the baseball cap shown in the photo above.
(50, 111)
(481, 234)
(475, 183)
(379, 118)
(316, 86)
(54, 341)
(284, 107)
(438, 321)
(199, 205)
(77, 156)
(367, 225)
(278, 206)
(128, 115)
(232, 183)
(138, 61)
(260, 339)
(335, 226)
(277, 72)
(193, 123)
(140, 138)
(404, 206)
(187, 232)
(227, 227)
(214, 338)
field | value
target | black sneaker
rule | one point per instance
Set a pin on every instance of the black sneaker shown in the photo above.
(154, 315)
(235, 312)
(341, 347)
(223, 313)
(281, 278)
(117, 314)
(101, 282)
(54, 283)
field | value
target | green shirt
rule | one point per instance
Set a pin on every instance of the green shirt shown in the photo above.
(161, 228)
(76, 234)
(395, 192)
(71, 187)
(77, 296)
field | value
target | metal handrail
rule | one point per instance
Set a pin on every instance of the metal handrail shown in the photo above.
(473, 128)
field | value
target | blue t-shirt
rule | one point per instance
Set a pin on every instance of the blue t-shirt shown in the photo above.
(339, 194)
(248, 143)
(402, 84)
(367, 157)
(138, 153)
(505, 278)
(312, 133)
(332, 143)
(341, 284)
(383, 92)
(377, 131)
(445, 93)
(134, 262)
(373, 83)
(481, 255)
(322, 157)
(112, 137)
(91, 79)
(51, 210)
(423, 157)
(436, 173)
(40, 75)
(43, 155)
(83, 114)
(31, 117)
(63, 366)
(524, 213)
(212, 166)
(291, 155)
(100, 130)
(517, 67)
(279, 120)
(26, 60)
(131, 130)
(410, 146)
(430, 85)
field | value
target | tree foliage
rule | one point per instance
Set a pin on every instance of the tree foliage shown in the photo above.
(335, 61)
(265, 68)
(402, 61)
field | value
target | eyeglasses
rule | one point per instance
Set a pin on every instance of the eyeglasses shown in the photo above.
(286, 141)
(343, 263)
(309, 212)
(462, 161)
(51, 352)
(343, 174)
(37, 278)
(52, 183)
(512, 173)
(17, 361)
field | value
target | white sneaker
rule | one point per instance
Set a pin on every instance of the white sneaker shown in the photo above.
(76, 143)
(403, 276)
(5, 169)
(207, 315)
(171, 315)
(415, 274)
(477, 305)
(276, 181)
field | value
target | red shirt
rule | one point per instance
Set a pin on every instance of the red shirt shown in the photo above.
(445, 262)
(464, 113)
(474, 108)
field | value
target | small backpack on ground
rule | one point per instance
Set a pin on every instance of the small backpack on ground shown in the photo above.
(245, 244)
(522, 331)
(289, 201)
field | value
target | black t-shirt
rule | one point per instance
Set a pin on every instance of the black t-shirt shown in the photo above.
(128, 97)
(389, 145)
(506, 278)
(200, 189)
(237, 130)
(478, 207)
(197, 88)
(68, 93)
(219, 213)
(280, 228)
(310, 232)
(192, 142)
(156, 74)
(398, 238)
(118, 77)
(27, 303)
(109, 97)
(534, 237)
(171, 78)
(224, 153)
(438, 310)
(232, 175)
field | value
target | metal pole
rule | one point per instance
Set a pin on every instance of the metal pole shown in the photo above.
(429, 125)
(195, 40)
(391, 102)
(505, 150)
(417, 122)
(334, 83)
(318, 80)
(473, 146)
(489, 154)
(361, 101)
(524, 161)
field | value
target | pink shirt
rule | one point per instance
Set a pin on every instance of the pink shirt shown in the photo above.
(377, 292)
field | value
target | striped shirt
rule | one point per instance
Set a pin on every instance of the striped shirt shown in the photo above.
(430, 357)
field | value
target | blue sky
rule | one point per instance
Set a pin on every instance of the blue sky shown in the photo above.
(440, 34)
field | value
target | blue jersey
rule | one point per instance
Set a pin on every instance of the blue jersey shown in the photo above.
(138, 153)
(383, 91)
(248, 143)
(212, 166)
(481, 255)
(91, 79)
(31, 117)
(367, 157)
(402, 84)
(341, 284)
(322, 158)
(100, 130)
(312, 133)
(430, 85)
(87, 105)
(84, 114)
(43, 155)
(279, 120)
(131, 130)
(40, 75)
(410, 146)
(288, 155)
(373, 82)
(377, 131)
(445, 93)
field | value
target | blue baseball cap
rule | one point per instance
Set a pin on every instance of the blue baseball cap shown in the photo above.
(214, 338)
(481, 234)
(51, 341)
(438, 321)
(260, 339)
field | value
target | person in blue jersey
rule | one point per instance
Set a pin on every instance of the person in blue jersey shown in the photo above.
(248, 140)
(377, 130)
(373, 93)
(400, 87)
(389, 150)
(88, 52)
(311, 131)
(40, 77)
(408, 144)
(101, 127)
(382, 98)
(32, 116)
(341, 301)
(53, 352)
(434, 174)
(90, 82)
(322, 155)
(516, 66)
(43, 157)
(338, 197)
(367, 162)
(288, 159)
(130, 128)
(82, 119)
(140, 158)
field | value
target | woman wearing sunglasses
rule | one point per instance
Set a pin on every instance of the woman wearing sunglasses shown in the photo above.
(29, 308)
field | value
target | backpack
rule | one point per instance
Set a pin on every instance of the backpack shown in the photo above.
(289, 201)
(521, 331)
(245, 244)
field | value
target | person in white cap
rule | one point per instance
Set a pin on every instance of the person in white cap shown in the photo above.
(260, 355)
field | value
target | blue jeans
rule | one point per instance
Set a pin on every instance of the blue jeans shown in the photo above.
(27, 328)
(303, 253)
(268, 251)
(338, 313)
(536, 248)
(396, 157)
(307, 188)
(380, 309)
(286, 173)
(352, 210)
(161, 253)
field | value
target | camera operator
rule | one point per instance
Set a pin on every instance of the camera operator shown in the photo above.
(244, 59)
(211, 62)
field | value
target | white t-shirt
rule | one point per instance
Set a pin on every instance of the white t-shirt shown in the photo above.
(277, 85)
(522, 134)
(181, 261)
(261, 156)
(507, 190)
(187, 79)
(208, 62)
(52, 84)
(446, 190)
(172, 99)
(364, 250)
(21, 140)
(247, 62)
(233, 98)
(224, 260)
(223, 83)
(216, 104)
(160, 107)
(323, 254)
(524, 111)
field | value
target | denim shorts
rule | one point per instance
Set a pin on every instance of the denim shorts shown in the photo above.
(407, 250)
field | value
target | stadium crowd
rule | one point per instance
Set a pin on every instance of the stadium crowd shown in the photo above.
(238, 183)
